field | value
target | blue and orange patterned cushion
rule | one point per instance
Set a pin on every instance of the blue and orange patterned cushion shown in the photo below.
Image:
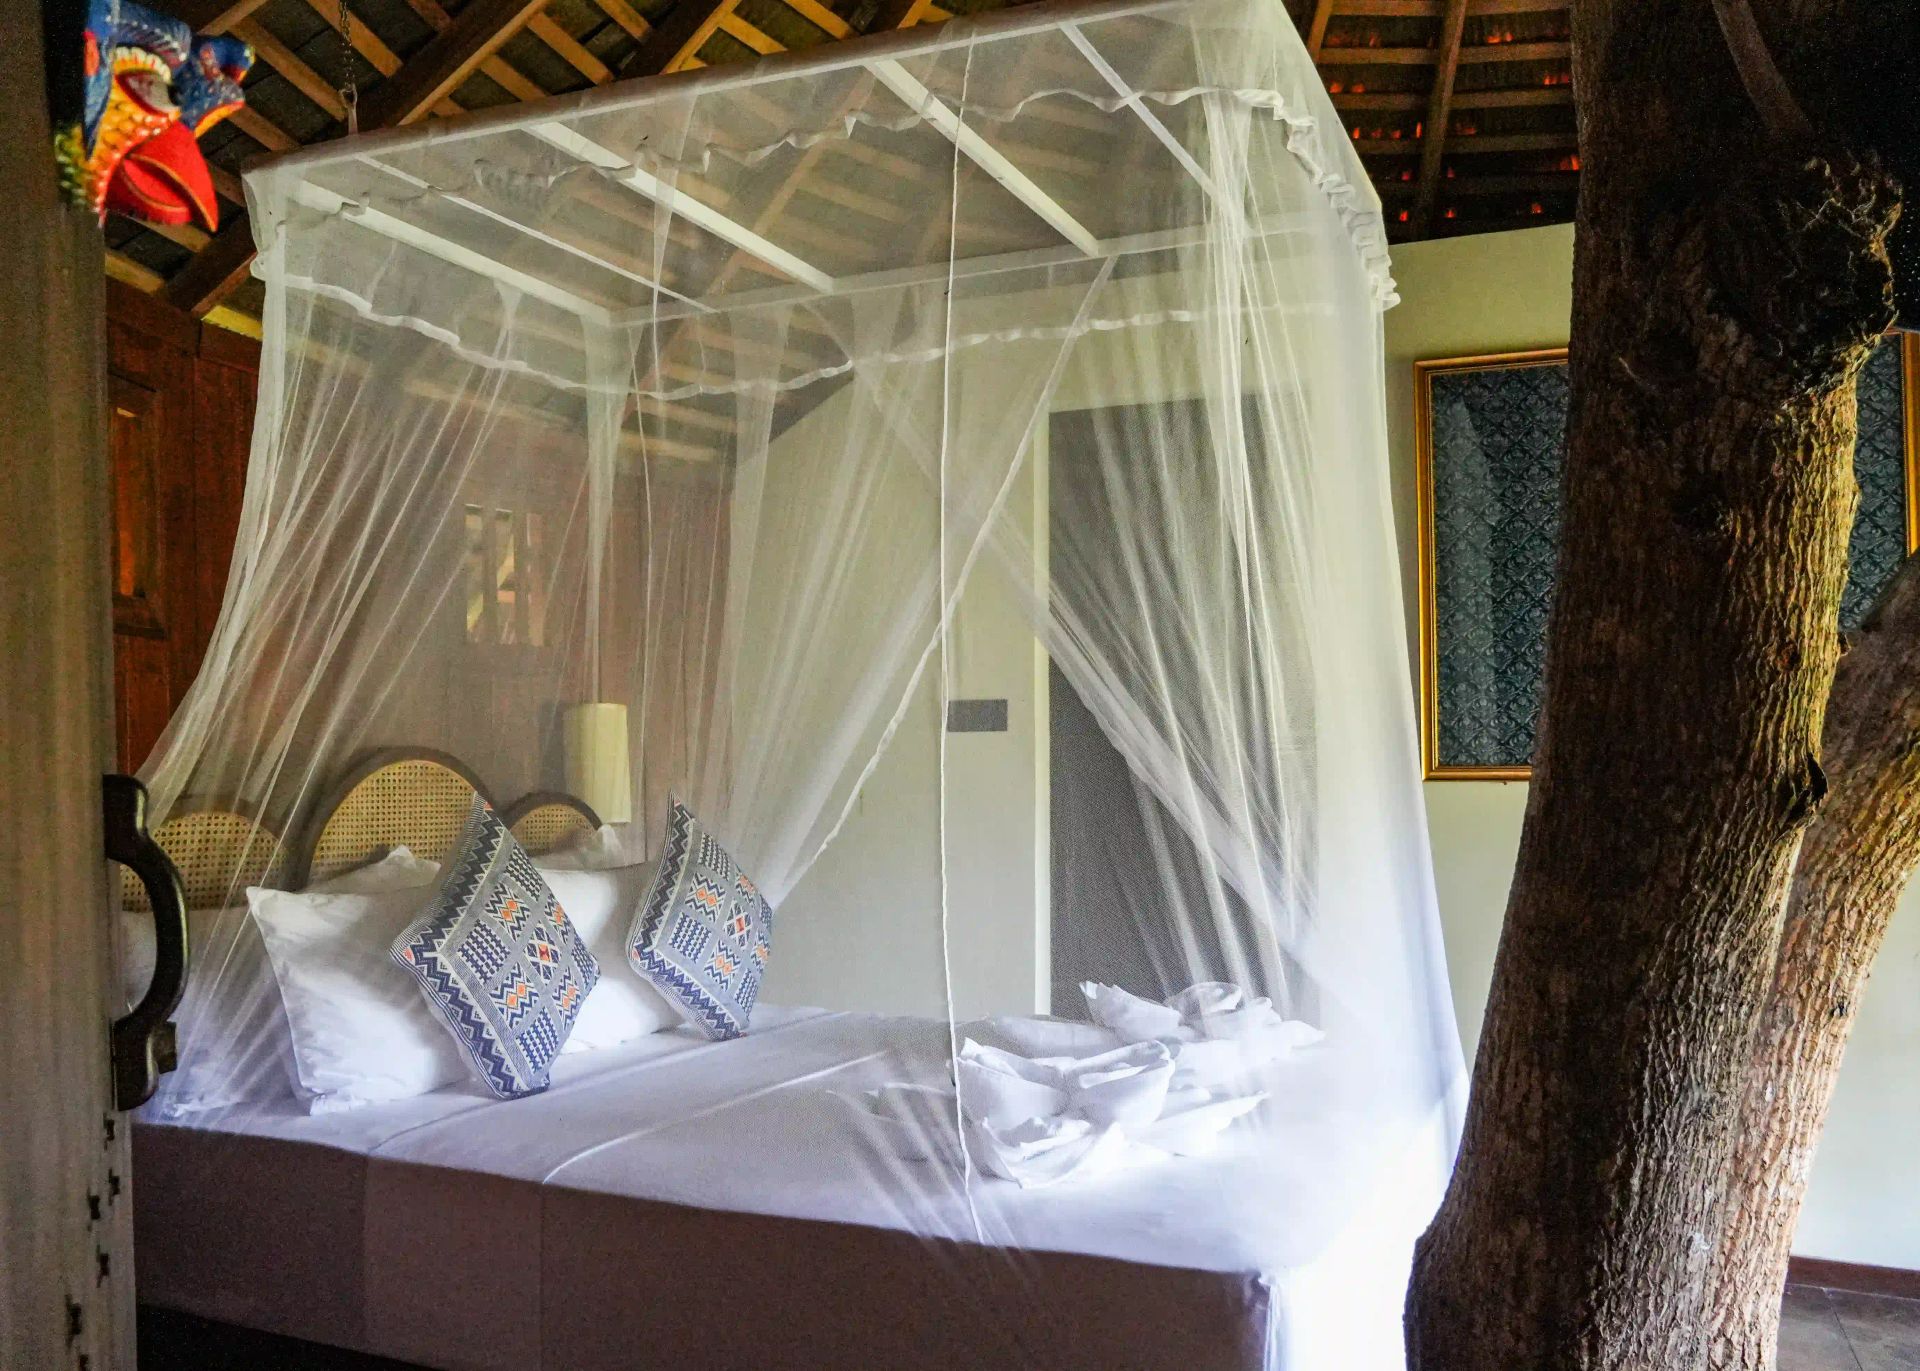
(499, 960)
(703, 933)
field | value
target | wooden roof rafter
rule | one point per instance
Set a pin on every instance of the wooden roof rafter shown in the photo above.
(1472, 93)
(1453, 27)
(412, 89)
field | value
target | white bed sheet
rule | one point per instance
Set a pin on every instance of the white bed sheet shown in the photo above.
(752, 1126)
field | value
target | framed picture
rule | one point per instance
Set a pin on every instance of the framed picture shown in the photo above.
(1489, 435)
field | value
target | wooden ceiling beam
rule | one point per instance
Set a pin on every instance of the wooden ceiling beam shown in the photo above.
(496, 68)
(1552, 50)
(569, 49)
(1525, 97)
(746, 34)
(128, 272)
(1317, 28)
(821, 18)
(1484, 143)
(626, 17)
(211, 16)
(263, 130)
(1453, 26)
(289, 65)
(1404, 100)
(421, 83)
(987, 156)
(448, 58)
(677, 39)
(894, 15)
(1473, 187)
(227, 183)
(372, 50)
(1464, 145)
(211, 273)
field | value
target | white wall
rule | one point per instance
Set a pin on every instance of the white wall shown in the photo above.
(1508, 291)
(862, 929)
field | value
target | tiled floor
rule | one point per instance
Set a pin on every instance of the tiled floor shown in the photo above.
(1836, 1330)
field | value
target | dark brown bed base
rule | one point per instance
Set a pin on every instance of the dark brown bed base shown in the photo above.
(599, 1282)
(172, 1341)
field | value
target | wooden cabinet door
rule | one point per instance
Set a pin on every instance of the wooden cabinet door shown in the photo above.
(144, 602)
(66, 1263)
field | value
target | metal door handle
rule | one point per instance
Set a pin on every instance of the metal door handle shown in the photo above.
(143, 1045)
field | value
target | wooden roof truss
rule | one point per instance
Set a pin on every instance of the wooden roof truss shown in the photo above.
(1461, 110)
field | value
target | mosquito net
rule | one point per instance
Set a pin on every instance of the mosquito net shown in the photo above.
(950, 468)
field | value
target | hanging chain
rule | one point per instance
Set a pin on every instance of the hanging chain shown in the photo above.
(350, 91)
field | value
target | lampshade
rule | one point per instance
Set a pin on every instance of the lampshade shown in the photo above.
(598, 768)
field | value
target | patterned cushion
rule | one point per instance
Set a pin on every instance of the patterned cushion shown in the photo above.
(703, 931)
(498, 959)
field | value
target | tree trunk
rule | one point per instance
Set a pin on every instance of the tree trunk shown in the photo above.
(1857, 859)
(1726, 293)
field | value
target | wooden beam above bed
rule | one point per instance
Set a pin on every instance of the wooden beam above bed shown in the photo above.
(451, 56)
(678, 38)
(415, 87)
(1439, 111)
(1390, 65)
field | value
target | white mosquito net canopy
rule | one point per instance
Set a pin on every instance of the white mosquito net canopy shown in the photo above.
(952, 466)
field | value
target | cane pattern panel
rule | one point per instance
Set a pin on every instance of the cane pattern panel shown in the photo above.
(1491, 455)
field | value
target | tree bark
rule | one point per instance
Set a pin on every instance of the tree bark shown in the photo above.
(1857, 859)
(1726, 292)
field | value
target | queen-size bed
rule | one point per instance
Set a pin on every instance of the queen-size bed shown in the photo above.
(673, 1201)
(988, 614)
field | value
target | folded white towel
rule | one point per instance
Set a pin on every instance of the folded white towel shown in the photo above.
(1042, 1152)
(1207, 997)
(1047, 1037)
(1002, 1089)
(1073, 1101)
(1127, 1086)
(1134, 1019)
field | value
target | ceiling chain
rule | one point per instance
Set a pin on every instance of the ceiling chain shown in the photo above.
(350, 89)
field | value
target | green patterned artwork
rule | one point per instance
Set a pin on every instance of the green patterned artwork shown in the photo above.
(1491, 434)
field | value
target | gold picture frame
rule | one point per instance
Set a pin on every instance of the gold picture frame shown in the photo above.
(1424, 372)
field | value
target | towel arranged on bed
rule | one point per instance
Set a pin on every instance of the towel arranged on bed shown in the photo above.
(1076, 1101)
(1217, 1033)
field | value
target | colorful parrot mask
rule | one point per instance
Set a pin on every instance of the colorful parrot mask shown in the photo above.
(151, 89)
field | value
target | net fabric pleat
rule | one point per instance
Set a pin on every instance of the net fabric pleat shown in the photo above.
(776, 411)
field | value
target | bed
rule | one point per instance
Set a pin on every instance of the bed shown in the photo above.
(700, 1204)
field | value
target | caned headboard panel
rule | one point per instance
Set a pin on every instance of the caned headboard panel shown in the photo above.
(219, 854)
(395, 797)
(548, 820)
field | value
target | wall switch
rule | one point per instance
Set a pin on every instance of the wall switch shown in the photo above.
(976, 716)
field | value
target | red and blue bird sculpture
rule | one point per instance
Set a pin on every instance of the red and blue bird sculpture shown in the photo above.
(152, 87)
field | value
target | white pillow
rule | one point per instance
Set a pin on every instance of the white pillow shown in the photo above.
(361, 1032)
(606, 848)
(397, 870)
(600, 904)
(234, 1043)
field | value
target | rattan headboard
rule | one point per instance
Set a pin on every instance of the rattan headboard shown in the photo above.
(547, 820)
(395, 797)
(219, 853)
